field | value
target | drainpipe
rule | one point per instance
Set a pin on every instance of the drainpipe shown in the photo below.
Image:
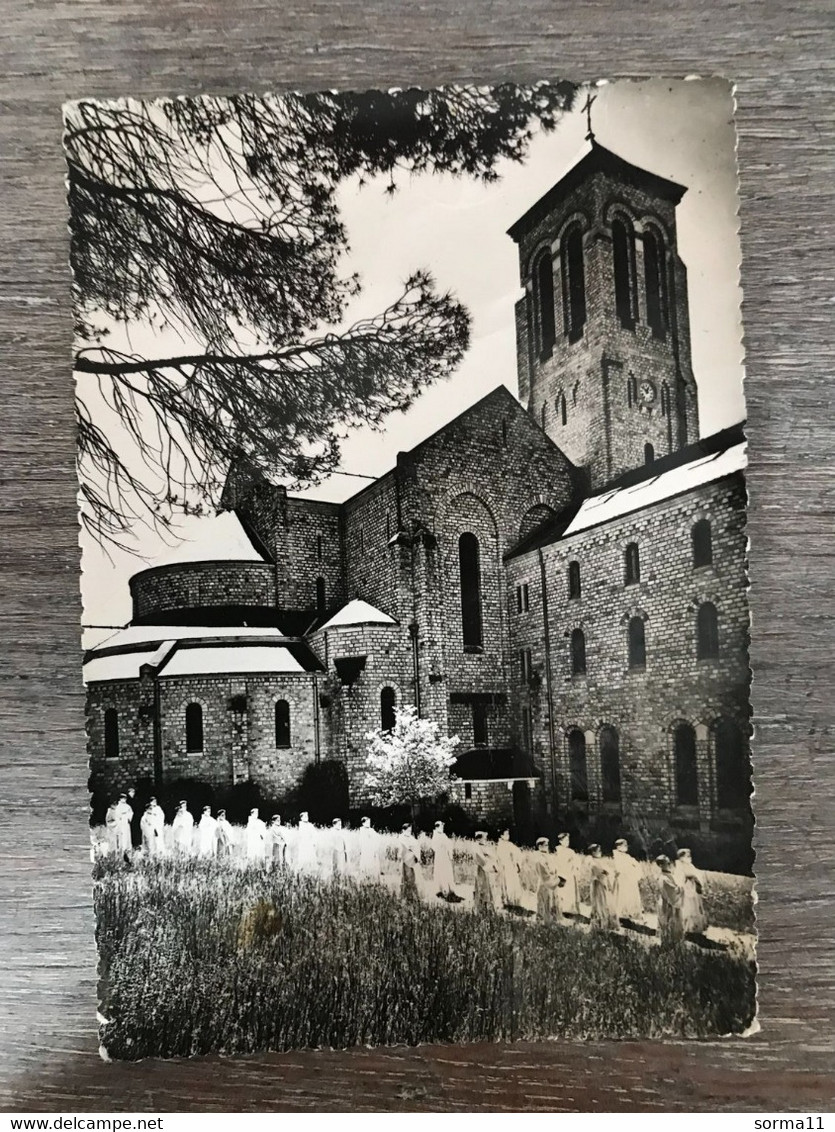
(158, 769)
(550, 692)
(413, 634)
(317, 751)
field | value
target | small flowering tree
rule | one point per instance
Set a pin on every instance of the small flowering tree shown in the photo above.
(409, 764)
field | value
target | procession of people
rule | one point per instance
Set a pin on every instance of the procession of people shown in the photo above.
(548, 884)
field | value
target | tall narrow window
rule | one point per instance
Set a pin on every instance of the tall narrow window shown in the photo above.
(282, 723)
(525, 664)
(544, 283)
(684, 754)
(665, 399)
(578, 766)
(480, 736)
(387, 713)
(733, 766)
(702, 543)
(320, 594)
(111, 733)
(623, 252)
(574, 587)
(610, 764)
(637, 643)
(649, 454)
(194, 729)
(573, 283)
(542, 416)
(527, 729)
(522, 598)
(561, 408)
(632, 390)
(470, 571)
(504, 432)
(655, 274)
(632, 565)
(578, 652)
(707, 632)
(319, 548)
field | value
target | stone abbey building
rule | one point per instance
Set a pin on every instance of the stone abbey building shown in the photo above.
(558, 579)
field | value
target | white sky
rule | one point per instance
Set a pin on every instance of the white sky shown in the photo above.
(456, 228)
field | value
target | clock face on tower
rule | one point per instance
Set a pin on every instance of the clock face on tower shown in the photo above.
(646, 391)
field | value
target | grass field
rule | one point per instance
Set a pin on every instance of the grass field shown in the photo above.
(200, 956)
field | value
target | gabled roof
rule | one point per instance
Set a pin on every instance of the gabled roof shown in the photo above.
(597, 160)
(358, 612)
(708, 460)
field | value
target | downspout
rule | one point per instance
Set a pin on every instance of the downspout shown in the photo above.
(413, 634)
(317, 743)
(548, 686)
(157, 736)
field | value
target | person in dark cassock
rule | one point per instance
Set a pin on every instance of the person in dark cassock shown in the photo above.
(486, 874)
(670, 901)
(223, 835)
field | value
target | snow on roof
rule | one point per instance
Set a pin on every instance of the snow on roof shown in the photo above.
(149, 634)
(225, 659)
(623, 500)
(358, 612)
(213, 538)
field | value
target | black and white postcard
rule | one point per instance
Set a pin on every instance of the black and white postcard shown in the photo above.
(413, 518)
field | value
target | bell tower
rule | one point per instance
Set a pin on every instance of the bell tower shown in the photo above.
(602, 330)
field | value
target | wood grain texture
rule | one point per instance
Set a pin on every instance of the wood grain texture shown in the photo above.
(781, 56)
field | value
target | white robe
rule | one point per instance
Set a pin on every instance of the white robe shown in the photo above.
(306, 847)
(370, 862)
(182, 828)
(510, 884)
(337, 853)
(443, 876)
(568, 865)
(256, 836)
(206, 836)
(223, 837)
(152, 834)
(276, 845)
(627, 891)
(121, 819)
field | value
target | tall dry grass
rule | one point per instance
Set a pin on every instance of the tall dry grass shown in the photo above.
(199, 956)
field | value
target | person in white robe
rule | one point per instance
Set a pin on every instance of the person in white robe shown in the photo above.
(627, 888)
(548, 900)
(111, 822)
(151, 832)
(256, 837)
(569, 866)
(602, 891)
(182, 829)
(509, 861)
(276, 843)
(443, 874)
(486, 874)
(337, 850)
(692, 881)
(223, 835)
(306, 860)
(123, 818)
(670, 902)
(207, 834)
(369, 862)
(408, 852)
(158, 815)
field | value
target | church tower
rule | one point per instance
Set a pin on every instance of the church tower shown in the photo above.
(603, 337)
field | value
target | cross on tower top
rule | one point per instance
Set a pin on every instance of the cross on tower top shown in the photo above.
(590, 100)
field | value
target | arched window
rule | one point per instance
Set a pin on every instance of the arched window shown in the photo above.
(733, 766)
(637, 643)
(194, 729)
(707, 631)
(686, 772)
(632, 390)
(623, 252)
(649, 454)
(387, 703)
(574, 588)
(573, 283)
(577, 766)
(320, 594)
(561, 408)
(111, 733)
(578, 652)
(655, 275)
(282, 723)
(632, 565)
(470, 570)
(544, 292)
(702, 543)
(610, 764)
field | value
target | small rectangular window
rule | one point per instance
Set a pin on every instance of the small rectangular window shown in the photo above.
(468, 791)
(480, 737)
(522, 598)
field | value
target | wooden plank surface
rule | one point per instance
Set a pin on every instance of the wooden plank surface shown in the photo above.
(781, 56)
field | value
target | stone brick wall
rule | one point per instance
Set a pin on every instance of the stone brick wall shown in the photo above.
(602, 430)
(643, 704)
(164, 590)
(134, 701)
(310, 547)
(371, 566)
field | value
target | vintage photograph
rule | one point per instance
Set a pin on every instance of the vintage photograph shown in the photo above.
(414, 566)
